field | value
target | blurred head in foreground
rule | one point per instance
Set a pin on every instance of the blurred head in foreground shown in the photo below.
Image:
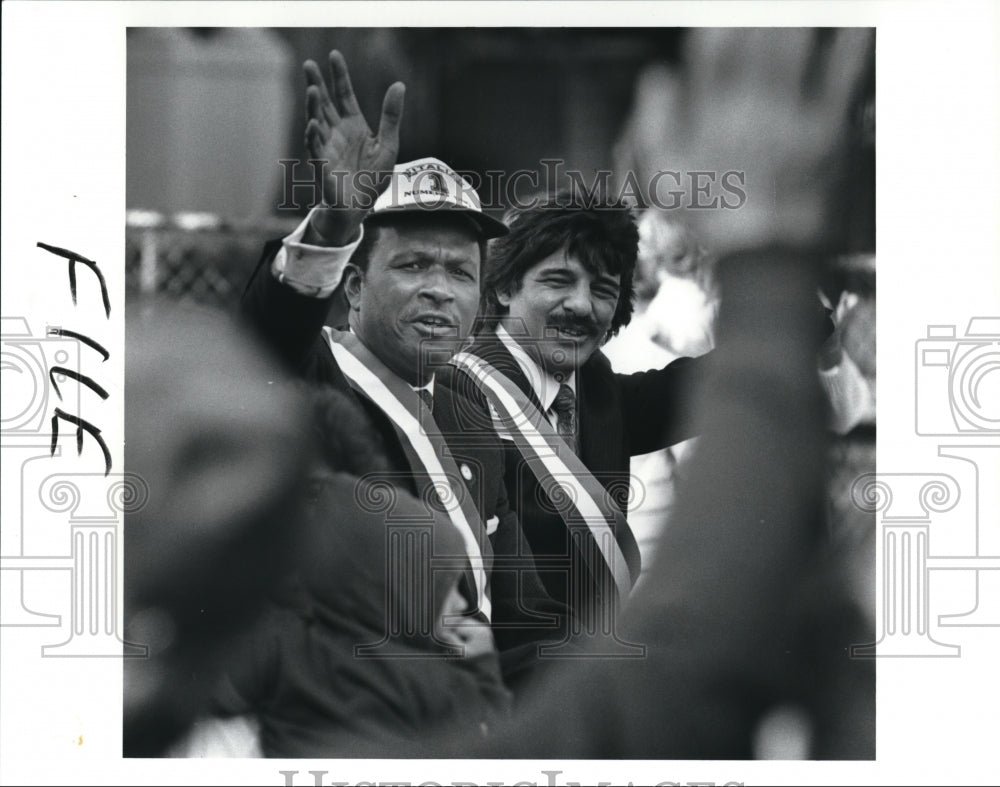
(366, 647)
(219, 443)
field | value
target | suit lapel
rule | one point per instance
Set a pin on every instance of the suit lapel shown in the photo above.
(598, 406)
(492, 350)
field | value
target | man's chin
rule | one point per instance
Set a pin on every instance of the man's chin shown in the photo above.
(569, 356)
(560, 371)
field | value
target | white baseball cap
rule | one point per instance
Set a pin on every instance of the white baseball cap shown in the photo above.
(430, 184)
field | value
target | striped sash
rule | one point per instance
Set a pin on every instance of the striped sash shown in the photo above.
(422, 442)
(561, 474)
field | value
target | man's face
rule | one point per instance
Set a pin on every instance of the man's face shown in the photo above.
(563, 311)
(419, 296)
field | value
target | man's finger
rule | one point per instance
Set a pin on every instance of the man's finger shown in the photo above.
(315, 77)
(392, 116)
(315, 139)
(315, 82)
(344, 99)
(314, 109)
(847, 62)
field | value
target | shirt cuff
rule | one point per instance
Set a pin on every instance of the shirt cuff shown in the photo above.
(311, 270)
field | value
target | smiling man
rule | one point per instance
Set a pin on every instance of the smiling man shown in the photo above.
(555, 288)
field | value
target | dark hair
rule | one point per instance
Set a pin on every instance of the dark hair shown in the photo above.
(600, 232)
(375, 222)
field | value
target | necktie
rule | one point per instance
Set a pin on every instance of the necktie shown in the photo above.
(564, 406)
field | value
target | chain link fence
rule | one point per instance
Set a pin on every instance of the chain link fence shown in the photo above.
(195, 257)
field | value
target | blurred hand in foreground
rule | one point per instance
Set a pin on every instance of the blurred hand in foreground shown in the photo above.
(775, 105)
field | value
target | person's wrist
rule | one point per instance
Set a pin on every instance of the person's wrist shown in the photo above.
(762, 225)
(335, 226)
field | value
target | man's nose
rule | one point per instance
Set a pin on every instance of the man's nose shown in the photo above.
(578, 301)
(436, 285)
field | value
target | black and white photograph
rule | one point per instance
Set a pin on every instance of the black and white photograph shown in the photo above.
(504, 323)
(424, 393)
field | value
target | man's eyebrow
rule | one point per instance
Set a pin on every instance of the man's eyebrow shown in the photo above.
(410, 255)
(419, 255)
(555, 268)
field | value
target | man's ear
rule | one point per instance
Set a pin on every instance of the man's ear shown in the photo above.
(353, 281)
(503, 298)
(340, 308)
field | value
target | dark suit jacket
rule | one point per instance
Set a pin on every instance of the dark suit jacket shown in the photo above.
(291, 324)
(618, 416)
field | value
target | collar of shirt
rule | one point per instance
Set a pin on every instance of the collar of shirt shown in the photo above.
(429, 387)
(545, 385)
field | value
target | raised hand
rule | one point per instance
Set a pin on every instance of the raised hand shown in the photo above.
(357, 163)
(775, 105)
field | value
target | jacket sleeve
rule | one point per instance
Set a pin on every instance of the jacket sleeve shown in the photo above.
(657, 406)
(286, 321)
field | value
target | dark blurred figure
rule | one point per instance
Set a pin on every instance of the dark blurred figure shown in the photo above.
(745, 611)
(219, 447)
(367, 650)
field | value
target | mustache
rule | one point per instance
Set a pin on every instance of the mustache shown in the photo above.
(582, 324)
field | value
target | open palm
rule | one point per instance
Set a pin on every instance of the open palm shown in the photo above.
(357, 163)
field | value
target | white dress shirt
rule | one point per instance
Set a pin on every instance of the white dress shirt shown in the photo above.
(543, 383)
